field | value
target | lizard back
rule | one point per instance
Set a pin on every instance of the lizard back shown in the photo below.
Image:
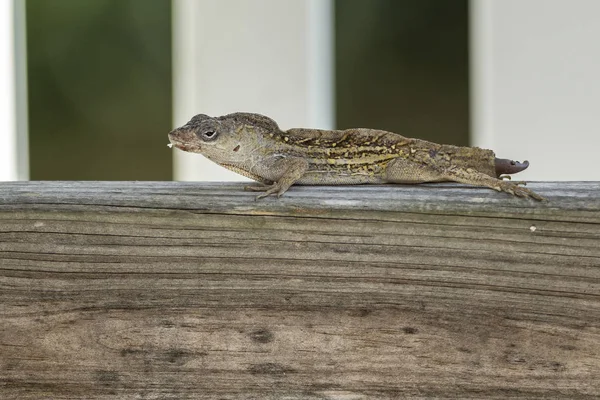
(362, 155)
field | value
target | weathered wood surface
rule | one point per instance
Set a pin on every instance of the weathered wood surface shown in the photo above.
(185, 290)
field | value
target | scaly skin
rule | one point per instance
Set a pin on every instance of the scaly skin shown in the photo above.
(254, 146)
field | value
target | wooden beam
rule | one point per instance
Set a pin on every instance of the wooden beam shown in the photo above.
(188, 290)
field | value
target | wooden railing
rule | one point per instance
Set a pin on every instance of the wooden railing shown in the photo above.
(148, 290)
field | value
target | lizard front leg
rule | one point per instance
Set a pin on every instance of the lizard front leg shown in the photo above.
(286, 170)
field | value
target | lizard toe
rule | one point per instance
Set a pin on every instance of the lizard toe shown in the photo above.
(519, 191)
(281, 192)
(269, 190)
(260, 188)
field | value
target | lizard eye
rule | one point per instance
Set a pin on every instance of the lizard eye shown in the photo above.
(209, 135)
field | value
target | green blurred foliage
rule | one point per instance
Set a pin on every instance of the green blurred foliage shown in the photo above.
(99, 76)
(403, 66)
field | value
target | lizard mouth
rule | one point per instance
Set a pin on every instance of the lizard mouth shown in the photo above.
(181, 144)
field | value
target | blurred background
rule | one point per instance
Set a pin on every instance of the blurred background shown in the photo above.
(99, 78)
(92, 87)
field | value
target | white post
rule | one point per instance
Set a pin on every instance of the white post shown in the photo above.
(481, 75)
(266, 56)
(535, 84)
(8, 124)
(13, 105)
(320, 60)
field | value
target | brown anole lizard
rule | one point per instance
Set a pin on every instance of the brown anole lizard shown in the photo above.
(254, 146)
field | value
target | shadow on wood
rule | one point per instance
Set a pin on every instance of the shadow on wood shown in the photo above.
(185, 290)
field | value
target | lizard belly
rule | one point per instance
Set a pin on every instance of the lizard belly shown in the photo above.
(346, 171)
(325, 178)
(342, 174)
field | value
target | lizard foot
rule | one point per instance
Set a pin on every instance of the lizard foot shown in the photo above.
(516, 190)
(276, 188)
(290, 169)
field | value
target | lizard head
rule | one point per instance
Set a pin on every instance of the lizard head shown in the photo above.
(192, 136)
(229, 138)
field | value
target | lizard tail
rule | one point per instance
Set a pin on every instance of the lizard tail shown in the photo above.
(505, 166)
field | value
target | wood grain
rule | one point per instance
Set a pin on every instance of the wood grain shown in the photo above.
(163, 290)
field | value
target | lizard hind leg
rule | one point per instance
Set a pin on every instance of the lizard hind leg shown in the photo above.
(405, 171)
(477, 178)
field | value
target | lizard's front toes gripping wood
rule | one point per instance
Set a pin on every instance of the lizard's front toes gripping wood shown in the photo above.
(514, 189)
(268, 190)
(277, 189)
(292, 169)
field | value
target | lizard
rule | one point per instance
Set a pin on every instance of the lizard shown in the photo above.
(254, 146)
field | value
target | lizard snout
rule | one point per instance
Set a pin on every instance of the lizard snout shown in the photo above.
(184, 139)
